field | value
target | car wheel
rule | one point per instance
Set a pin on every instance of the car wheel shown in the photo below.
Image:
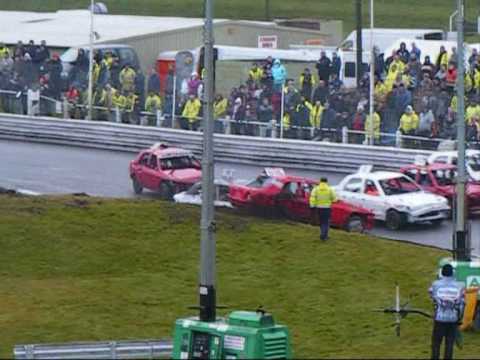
(355, 224)
(437, 222)
(137, 187)
(394, 220)
(166, 191)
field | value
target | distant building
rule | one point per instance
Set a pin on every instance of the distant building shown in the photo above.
(150, 35)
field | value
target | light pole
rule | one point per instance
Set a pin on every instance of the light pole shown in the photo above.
(90, 62)
(461, 248)
(372, 75)
(207, 225)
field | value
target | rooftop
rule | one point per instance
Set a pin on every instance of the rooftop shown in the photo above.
(67, 28)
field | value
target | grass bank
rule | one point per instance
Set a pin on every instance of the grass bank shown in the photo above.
(388, 13)
(94, 269)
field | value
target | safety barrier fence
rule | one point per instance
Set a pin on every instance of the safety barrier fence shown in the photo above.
(130, 349)
(35, 104)
(288, 153)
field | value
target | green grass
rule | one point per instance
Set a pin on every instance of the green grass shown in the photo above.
(95, 269)
(388, 13)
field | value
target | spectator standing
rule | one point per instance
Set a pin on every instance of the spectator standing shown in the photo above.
(140, 86)
(19, 49)
(442, 58)
(127, 79)
(279, 74)
(153, 82)
(55, 69)
(321, 92)
(323, 67)
(191, 112)
(307, 82)
(372, 126)
(321, 200)
(220, 107)
(409, 122)
(265, 111)
(416, 51)
(403, 53)
(336, 65)
(448, 300)
(255, 73)
(358, 124)
(428, 67)
(4, 51)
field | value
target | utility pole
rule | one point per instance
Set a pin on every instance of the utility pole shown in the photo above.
(207, 224)
(90, 63)
(359, 67)
(461, 248)
(267, 10)
(371, 134)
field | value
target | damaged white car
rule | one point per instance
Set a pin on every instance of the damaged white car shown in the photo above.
(393, 198)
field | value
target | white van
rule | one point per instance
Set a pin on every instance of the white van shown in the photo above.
(385, 37)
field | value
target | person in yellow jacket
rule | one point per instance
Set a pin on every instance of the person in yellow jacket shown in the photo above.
(191, 111)
(119, 100)
(127, 78)
(472, 111)
(316, 111)
(409, 121)
(255, 73)
(372, 126)
(219, 107)
(321, 200)
(153, 102)
(4, 51)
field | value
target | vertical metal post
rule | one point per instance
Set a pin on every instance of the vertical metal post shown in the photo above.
(267, 10)
(359, 62)
(207, 225)
(282, 110)
(461, 249)
(90, 63)
(174, 97)
(372, 75)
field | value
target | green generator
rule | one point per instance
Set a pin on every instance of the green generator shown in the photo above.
(242, 335)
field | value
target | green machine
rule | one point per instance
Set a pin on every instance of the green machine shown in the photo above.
(243, 334)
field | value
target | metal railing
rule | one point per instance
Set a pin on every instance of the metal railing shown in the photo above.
(129, 349)
(20, 103)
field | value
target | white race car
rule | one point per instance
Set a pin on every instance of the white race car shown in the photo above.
(393, 198)
(450, 157)
(194, 194)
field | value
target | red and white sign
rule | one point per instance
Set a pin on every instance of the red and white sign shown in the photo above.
(268, 41)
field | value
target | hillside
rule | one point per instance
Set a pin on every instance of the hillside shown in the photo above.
(97, 269)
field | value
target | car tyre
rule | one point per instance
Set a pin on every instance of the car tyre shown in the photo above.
(355, 224)
(437, 222)
(394, 220)
(137, 187)
(166, 191)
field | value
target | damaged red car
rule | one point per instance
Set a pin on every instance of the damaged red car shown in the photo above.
(164, 169)
(273, 190)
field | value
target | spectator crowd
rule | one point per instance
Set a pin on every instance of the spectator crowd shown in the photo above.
(412, 96)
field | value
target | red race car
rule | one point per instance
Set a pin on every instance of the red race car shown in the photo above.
(167, 170)
(274, 190)
(439, 178)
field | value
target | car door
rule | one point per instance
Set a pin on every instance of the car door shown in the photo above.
(373, 199)
(287, 199)
(150, 173)
(351, 192)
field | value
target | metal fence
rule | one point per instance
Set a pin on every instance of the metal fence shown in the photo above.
(34, 104)
(129, 349)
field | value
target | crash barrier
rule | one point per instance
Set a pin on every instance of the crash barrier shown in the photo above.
(133, 349)
(295, 154)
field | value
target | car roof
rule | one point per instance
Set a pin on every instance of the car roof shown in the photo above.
(377, 175)
(434, 166)
(288, 178)
(169, 152)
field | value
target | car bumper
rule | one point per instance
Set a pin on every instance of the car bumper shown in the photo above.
(429, 216)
